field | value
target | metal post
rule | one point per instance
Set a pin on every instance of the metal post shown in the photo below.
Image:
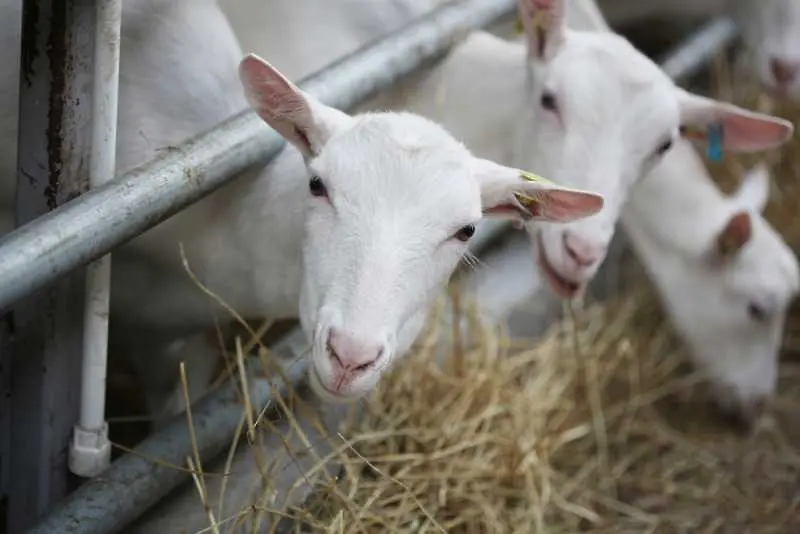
(5, 415)
(90, 451)
(53, 152)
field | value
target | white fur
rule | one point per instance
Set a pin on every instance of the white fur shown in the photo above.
(771, 33)
(615, 108)
(163, 100)
(178, 77)
(708, 297)
(673, 219)
(322, 30)
(329, 30)
(359, 267)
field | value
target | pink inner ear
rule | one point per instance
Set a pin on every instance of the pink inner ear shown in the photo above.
(271, 93)
(743, 133)
(735, 234)
(559, 205)
(541, 14)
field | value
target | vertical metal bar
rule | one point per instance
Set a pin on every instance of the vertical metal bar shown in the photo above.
(90, 452)
(5, 413)
(52, 165)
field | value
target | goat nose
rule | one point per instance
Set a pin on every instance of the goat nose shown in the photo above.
(347, 353)
(581, 251)
(784, 71)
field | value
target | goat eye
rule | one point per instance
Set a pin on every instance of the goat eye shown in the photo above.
(317, 187)
(756, 312)
(548, 101)
(663, 148)
(465, 233)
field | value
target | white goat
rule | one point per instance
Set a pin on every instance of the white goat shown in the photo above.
(356, 247)
(319, 31)
(725, 276)
(770, 31)
(585, 108)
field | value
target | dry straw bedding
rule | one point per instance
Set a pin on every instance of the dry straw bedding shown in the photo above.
(518, 437)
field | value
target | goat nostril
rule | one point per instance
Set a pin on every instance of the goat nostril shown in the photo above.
(333, 356)
(783, 71)
(368, 365)
(582, 253)
(570, 250)
(365, 366)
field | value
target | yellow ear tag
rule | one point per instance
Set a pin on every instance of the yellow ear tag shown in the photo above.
(538, 22)
(519, 28)
(529, 176)
(527, 200)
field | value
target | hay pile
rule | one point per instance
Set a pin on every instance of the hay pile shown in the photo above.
(534, 438)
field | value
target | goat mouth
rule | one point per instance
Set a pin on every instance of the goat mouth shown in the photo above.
(325, 393)
(321, 384)
(563, 288)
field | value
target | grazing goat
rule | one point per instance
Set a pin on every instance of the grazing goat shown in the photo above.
(723, 273)
(770, 31)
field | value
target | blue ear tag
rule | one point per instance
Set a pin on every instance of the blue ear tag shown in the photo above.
(715, 142)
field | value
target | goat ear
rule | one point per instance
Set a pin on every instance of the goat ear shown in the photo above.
(734, 235)
(753, 193)
(296, 116)
(524, 197)
(739, 129)
(545, 26)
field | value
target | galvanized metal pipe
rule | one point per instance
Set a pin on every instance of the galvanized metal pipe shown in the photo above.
(90, 450)
(132, 484)
(689, 58)
(135, 482)
(92, 225)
